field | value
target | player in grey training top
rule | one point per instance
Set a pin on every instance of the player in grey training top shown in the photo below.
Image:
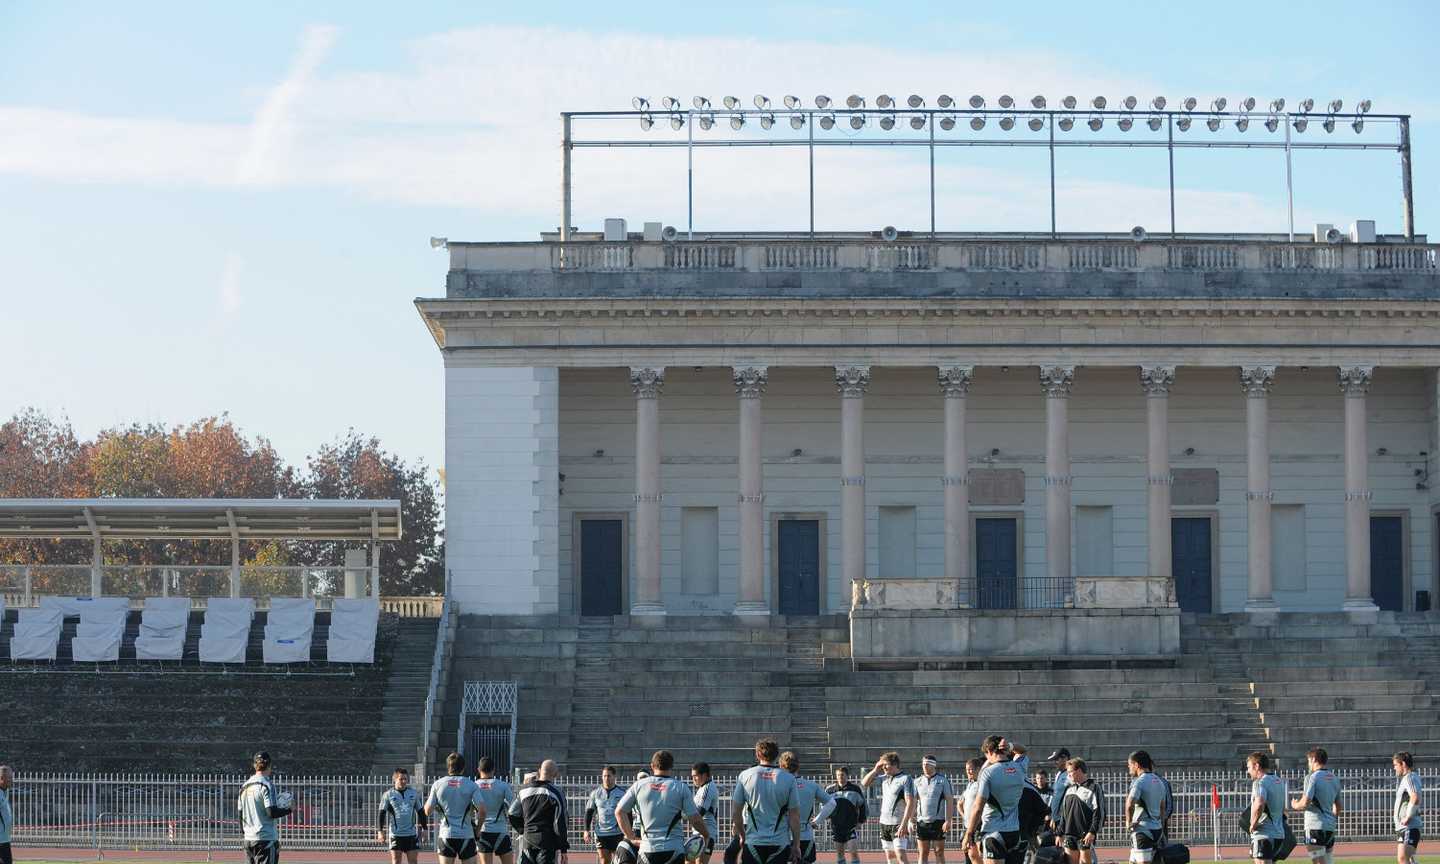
(968, 848)
(1061, 760)
(994, 814)
(933, 800)
(492, 836)
(451, 800)
(1144, 807)
(1320, 802)
(401, 818)
(765, 808)
(663, 802)
(808, 796)
(259, 807)
(7, 817)
(1267, 808)
(600, 823)
(897, 805)
(707, 803)
(1407, 808)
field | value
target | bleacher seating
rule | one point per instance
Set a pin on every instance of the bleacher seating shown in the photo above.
(37, 634)
(102, 628)
(289, 630)
(163, 627)
(226, 631)
(352, 631)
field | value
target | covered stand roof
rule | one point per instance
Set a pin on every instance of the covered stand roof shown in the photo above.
(200, 519)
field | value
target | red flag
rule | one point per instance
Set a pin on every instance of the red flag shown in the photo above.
(1214, 797)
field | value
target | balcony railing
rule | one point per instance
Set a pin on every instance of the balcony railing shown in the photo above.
(1000, 254)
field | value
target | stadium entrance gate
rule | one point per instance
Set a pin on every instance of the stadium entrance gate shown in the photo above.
(487, 723)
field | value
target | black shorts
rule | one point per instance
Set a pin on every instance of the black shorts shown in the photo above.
(1000, 845)
(930, 830)
(667, 857)
(1264, 848)
(1073, 843)
(455, 847)
(807, 852)
(764, 854)
(535, 855)
(842, 835)
(262, 851)
(5, 855)
(1408, 837)
(708, 848)
(608, 842)
(494, 842)
(404, 843)
(1317, 837)
(1142, 841)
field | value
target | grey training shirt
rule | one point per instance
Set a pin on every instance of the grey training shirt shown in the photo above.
(894, 789)
(931, 793)
(663, 802)
(1408, 789)
(257, 796)
(1000, 785)
(497, 795)
(1147, 791)
(1322, 788)
(604, 802)
(764, 796)
(399, 805)
(1271, 791)
(455, 796)
(707, 804)
(809, 796)
(7, 817)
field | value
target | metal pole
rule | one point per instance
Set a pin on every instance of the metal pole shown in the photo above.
(1170, 149)
(1289, 182)
(97, 565)
(1051, 124)
(565, 148)
(1405, 184)
(810, 125)
(932, 180)
(689, 178)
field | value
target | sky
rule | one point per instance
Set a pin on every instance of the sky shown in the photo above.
(226, 208)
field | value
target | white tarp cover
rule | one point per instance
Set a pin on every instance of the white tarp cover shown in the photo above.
(163, 626)
(36, 634)
(289, 629)
(74, 607)
(101, 630)
(352, 631)
(226, 631)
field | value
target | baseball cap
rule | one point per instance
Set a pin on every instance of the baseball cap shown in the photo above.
(261, 760)
(1062, 753)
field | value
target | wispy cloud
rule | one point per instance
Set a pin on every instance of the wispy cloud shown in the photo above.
(272, 125)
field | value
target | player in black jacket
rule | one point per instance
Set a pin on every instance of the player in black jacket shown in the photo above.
(1082, 813)
(538, 815)
(851, 811)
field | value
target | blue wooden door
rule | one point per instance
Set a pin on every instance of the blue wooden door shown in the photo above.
(1190, 563)
(799, 562)
(1387, 562)
(601, 566)
(996, 564)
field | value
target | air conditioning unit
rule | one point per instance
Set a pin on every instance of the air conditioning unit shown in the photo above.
(652, 232)
(1362, 231)
(615, 231)
(1321, 229)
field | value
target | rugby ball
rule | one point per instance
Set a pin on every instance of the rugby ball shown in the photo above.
(285, 800)
(694, 846)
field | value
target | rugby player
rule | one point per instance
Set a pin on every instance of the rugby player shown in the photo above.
(809, 795)
(707, 802)
(7, 816)
(600, 816)
(1320, 802)
(401, 819)
(1061, 760)
(538, 815)
(897, 805)
(993, 817)
(973, 766)
(1082, 814)
(765, 797)
(1144, 807)
(850, 810)
(933, 800)
(449, 803)
(1267, 808)
(1407, 808)
(259, 807)
(662, 802)
(492, 835)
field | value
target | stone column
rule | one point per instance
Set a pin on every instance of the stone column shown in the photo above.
(1057, 382)
(955, 385)
(1355, 383)
(1156, 381)
(647, 382)
(1256, 381)
(750, 384)
(852, 381)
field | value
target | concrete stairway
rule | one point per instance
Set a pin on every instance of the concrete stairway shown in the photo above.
(805, 678)
(406, 687)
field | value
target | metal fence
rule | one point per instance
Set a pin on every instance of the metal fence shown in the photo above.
(197, 812)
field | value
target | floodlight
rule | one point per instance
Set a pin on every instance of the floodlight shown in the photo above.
(670, 103)
(731, 102)
(1125, 123)
(887, 122)
(1037, 102)
(1218, 103)
(1336, 105)
(945, 101)
(1248, 103)
(792, 102)
(827, 121)
(1357, 125)
(1158, 103)
(1307, 105)
(1036, 124)
(1007, 122)
(1069, 103)
(1329, 124)
(1130, 102)
(640, 103)
(1183, 124)
(947, 122)
(1154, 123)
(915, 101)
(767, 121)
(1213, 124)
(1300, 124)
(917, 122)
(1189, 103)
(1098, 103)
(822, 102)
(646, 121)
(1363, 107)
(1242, 124)
(737, 122)
(977, 123)
(677, 122)
(701, 103)
(1067, 123)
(1277, 105)
(797, 121)
(884, 101)
(1272, 123)
(1095, 123)
(439, 243)
(857, 121)
(977, 101)
(762, 102)
(707, 121)
(1007, 102)
(853, 101)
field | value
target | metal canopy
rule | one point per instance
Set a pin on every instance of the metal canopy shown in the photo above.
(200, 519)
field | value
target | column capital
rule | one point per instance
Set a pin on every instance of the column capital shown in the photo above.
(647, 381)
(1256, 380)
(955, 380)
(1157, 380)
(1355, 380)
(750, 381)
(852, 381)
(1057, 381)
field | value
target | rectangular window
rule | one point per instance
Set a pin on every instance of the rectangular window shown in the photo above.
(1094, 541)
(1287, 546)
(699, 550)
(897, 542)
